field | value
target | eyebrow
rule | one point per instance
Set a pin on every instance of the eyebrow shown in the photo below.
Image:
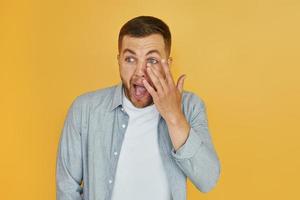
(149, 52)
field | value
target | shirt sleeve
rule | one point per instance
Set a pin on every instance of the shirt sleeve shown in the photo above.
(69, 158)
(197, 157)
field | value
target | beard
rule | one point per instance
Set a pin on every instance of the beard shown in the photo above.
(137, 93)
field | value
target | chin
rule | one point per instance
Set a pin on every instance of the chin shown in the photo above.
(140, 102)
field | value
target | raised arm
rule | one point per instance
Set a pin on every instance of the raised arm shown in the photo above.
(197, 156)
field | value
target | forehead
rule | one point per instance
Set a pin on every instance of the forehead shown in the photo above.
(142, 45)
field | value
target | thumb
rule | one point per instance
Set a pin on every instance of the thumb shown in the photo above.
(180, 83)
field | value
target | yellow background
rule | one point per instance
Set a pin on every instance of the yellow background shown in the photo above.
(241, 57)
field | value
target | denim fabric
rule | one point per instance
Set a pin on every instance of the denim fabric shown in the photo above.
(94, 130)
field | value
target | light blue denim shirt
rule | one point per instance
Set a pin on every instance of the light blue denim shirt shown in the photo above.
(91, 140)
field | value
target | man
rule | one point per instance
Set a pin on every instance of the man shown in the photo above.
(140, 139)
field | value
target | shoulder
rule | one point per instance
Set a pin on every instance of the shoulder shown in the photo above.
(192, 104)
(95, 98)
(191, 99)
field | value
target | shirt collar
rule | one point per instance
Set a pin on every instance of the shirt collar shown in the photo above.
(117, 96)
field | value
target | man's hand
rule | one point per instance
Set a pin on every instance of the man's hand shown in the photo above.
(167, 99)
(166, 95)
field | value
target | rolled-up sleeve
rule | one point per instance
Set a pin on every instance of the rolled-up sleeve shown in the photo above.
(69, 157)
(197, 157)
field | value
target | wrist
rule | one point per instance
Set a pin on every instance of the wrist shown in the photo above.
(175, 120)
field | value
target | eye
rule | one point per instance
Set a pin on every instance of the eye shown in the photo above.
(129, 59)
(152, 61)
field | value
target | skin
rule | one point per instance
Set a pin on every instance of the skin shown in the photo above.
(144, 64)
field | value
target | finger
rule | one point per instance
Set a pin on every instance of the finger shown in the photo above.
(159, 76)
(180, 83)
(169, 76)
(150, 89)
(155, 81)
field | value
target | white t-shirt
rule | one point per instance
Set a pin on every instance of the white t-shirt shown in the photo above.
(140, 172)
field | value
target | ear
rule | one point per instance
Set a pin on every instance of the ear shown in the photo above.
(170, 60)
(118, 58)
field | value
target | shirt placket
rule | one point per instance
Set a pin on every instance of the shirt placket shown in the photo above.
(121, 124)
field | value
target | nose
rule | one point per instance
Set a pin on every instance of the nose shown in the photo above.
(141, 69)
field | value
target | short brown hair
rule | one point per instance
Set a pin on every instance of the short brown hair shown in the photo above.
(143, 26)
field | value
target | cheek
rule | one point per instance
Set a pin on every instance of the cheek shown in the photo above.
(126, 72)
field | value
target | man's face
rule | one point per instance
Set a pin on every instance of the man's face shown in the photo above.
(133, 57)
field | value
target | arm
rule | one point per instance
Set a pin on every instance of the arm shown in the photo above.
(194, 153)
(197, 157)
(69, 158)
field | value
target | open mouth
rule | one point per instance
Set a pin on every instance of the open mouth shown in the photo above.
(139, 91)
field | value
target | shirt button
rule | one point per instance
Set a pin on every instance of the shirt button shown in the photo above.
(123, 125)
(115, 153)
(122, 109)
(110, 181)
